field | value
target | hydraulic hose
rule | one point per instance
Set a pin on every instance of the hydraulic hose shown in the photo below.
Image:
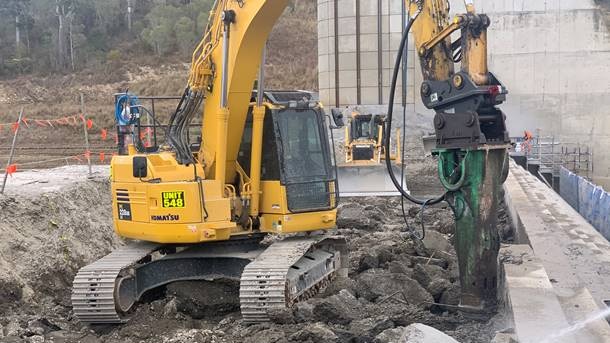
(397, 184)
(453, 187)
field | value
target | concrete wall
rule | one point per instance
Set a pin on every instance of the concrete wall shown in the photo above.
(553, 55)
(380, 24)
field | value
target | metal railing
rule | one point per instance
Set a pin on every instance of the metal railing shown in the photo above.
(551, 154)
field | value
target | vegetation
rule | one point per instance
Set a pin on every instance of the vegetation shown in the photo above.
(41, 36)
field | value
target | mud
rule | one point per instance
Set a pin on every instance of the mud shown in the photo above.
(394, 279)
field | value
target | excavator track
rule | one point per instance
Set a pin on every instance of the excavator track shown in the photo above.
(289, 271)
(93, 299)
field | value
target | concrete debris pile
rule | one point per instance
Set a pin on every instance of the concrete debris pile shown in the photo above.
(394, 280)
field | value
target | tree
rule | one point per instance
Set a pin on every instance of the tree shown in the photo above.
(185, 34)
(16, 9)
(63, 35)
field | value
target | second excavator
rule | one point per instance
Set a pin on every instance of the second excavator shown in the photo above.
(365, 136)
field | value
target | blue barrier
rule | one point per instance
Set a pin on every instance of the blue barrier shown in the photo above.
(603, 218)
(591, 201)
(596, 207)
(585, 195)
(605, 227)
(568, 187)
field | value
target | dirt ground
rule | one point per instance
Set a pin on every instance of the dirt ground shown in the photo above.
(53, 222)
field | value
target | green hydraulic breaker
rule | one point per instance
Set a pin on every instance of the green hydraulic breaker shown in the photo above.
(473, 180)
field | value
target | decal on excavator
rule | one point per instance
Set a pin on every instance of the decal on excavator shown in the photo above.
(169, 217)
(172, 199)
(124, 212)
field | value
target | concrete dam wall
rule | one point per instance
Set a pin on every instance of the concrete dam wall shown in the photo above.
(553, 55)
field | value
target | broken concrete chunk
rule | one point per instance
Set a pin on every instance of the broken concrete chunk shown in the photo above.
(426, 273)
(504, 338)
(433, 278)
(316, 332)
(437, 242)
(414, 333)
(36, 339)
(420, 333)
(451, 296)
(13, 328)
(390, 336)
(377, 286)
(339, 309)
(370, 327)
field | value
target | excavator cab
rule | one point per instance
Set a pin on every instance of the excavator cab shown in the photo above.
(364, 136)
(295, 153)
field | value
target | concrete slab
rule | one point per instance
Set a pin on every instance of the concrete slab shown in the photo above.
(575, 257)
(530, 295)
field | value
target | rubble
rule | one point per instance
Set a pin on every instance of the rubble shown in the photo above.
(379, 285)
(393, 279)
(419, 333)
(340, 309)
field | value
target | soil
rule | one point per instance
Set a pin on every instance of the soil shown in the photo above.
(52, 222)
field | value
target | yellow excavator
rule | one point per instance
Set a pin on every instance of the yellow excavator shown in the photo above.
(363, 171)
(199, 212)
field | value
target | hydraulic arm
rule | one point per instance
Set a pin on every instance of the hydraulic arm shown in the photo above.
(471, 137)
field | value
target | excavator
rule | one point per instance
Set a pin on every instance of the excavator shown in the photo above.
(256, 200)
(471, 137)
(365, 135)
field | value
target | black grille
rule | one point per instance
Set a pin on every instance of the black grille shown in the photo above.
(310, 196)
(363, 153)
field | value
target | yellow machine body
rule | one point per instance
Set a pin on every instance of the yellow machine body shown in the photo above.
(170, 206)
(216, 198)
(364, 137)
